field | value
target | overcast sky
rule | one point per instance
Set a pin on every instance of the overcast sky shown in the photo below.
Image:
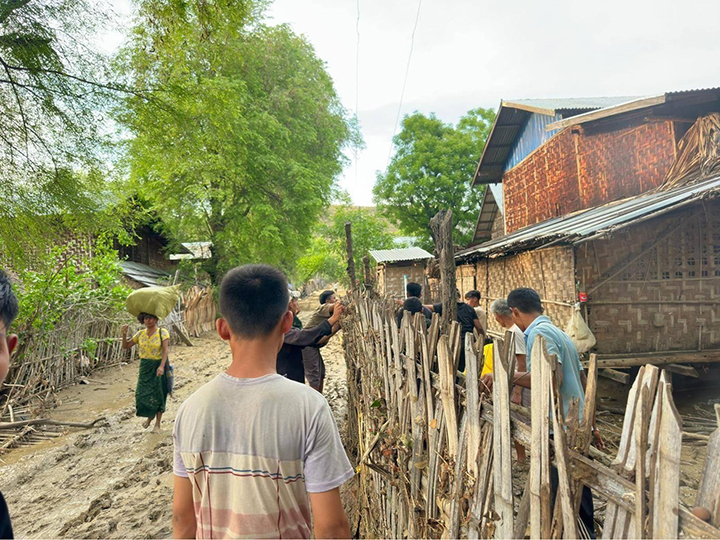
(473, 53)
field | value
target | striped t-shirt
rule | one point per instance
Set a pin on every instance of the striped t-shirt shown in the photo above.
(253, 449)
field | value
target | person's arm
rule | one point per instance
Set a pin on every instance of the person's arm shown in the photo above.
(163, 362)
(307, 336)
(126, 343)
(329, 516)
(478, 327)
(183, 509)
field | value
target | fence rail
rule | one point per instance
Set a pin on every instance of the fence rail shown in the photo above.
(435, 453)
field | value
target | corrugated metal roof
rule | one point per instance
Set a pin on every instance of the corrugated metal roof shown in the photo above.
(593, 222)
(395, 255)
(147, 275)
(636, 104)
(555, 105)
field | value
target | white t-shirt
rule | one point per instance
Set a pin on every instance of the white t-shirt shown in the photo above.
(519, 340)
(253, 449)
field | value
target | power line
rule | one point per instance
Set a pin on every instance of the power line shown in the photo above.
(357, 84)
(407, 71)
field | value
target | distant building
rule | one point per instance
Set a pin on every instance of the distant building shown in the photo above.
(396, 266)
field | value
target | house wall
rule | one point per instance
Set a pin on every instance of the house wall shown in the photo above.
(549, 271)
(584, 168)
(148, 250)
(498, 226)
(666, 300)
(391, 277)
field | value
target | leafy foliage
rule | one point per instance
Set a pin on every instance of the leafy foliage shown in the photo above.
(55, 91)
(247, 141)
(432, 170)
(327, 257)
(66, 282)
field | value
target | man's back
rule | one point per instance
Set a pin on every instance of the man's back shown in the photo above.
(559, 344)
(253, 449)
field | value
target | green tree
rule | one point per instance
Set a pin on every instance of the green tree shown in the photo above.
(327, 256)
(247, 141)
(56, 89)
(432, 170)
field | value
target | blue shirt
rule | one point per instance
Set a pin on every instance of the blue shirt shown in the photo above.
(558, 343)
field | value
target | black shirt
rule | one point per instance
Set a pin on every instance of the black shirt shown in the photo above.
(289, 359)
(5, 527)
(465, 316)
(425, 311)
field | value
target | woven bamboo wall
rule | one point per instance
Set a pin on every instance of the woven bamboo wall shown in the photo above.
(391, 277)
(665, 300)
(549, 271)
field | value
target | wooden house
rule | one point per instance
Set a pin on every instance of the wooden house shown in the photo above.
(395, 267)
(615, 198)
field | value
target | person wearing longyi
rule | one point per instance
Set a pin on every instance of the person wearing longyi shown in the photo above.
(152, 386)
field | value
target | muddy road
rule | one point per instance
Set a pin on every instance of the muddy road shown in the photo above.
(116, 481)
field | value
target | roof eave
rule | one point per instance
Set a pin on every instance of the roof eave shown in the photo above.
(607, 112)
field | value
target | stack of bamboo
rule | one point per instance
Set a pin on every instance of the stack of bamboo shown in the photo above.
(199, 310)
(435, 454)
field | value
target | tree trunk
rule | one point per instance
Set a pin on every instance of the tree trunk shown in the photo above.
(442, 227)
(350, 256)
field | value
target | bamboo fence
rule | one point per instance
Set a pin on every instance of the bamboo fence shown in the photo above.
(49, 360)
(87, 338)
(435, 453)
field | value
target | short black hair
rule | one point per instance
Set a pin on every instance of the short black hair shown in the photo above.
(413, 305)
(142, 316)
(8, 301)
(325, 296)
(253, 299)
(414, 289)
(473, 294)
(526, 300)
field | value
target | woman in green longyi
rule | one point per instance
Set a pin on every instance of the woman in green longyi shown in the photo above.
(152, 387)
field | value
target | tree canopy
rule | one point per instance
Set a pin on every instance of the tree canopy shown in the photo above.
(56, 89)
(431, 170)
(243, 140)
(327, 256)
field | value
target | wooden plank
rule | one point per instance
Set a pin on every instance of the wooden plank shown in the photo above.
(569, 522)
(472, 403)
(502, 463)
(615, 375)
(606, 112)
(641, 436)
(482, 483)
(447, 394)
(708, 496)
(687, 371)
(667, 506)
(540, 512)
(658, 359)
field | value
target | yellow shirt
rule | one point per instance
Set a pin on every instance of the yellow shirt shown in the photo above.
(151, 346)
(487, 360)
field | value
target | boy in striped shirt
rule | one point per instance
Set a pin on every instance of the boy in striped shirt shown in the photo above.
(257, 455)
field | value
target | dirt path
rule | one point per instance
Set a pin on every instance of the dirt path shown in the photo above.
(116, 481)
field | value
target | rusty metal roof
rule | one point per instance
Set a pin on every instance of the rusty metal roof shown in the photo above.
(147, 275)
(396, 255)
(594, 222)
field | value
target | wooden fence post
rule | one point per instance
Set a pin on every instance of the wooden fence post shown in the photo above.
(350, 256)
(367, 276)
(442, 228)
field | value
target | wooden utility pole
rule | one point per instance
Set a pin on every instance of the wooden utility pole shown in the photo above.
(442, 228)
(350, 256)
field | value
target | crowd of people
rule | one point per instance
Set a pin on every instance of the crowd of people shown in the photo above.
(258, 455)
